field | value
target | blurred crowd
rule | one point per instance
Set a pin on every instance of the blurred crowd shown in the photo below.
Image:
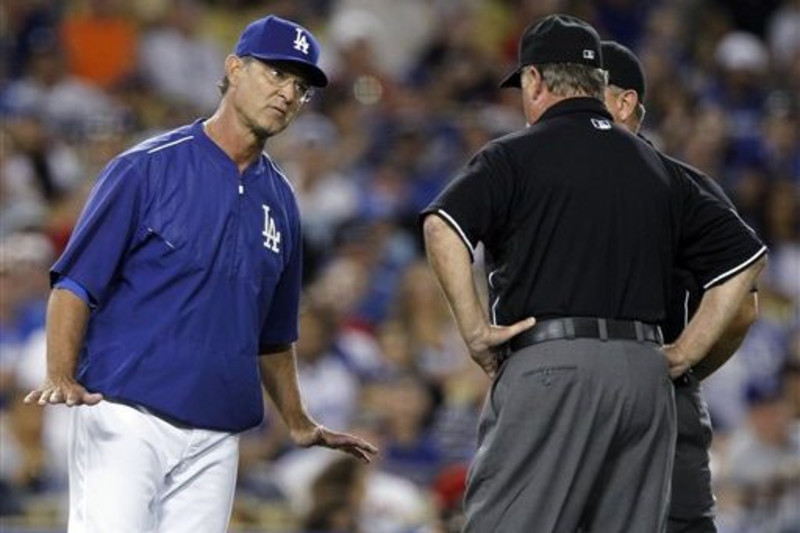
(413, 95)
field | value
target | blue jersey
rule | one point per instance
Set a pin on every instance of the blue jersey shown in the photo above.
(193, 269)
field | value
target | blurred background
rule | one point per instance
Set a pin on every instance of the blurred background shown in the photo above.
(413, 95)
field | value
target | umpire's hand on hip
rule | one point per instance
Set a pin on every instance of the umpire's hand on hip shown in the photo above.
(481, 343)
(678, 360)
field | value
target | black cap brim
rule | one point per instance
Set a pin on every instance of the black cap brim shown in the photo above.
(512, 80)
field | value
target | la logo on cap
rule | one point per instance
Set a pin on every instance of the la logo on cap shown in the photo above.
(588, 54)
(300, 41)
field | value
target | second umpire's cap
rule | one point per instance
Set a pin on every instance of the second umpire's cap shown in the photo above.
(557, 39)
(275, 39)
(624, 69)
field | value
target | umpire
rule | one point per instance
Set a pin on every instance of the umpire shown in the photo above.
(692, 503)
(581, 223)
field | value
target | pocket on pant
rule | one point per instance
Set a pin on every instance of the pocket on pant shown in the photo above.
(110, 418)
(547, 376)
(540, 392)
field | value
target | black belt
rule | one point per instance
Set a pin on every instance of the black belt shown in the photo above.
(587, 328)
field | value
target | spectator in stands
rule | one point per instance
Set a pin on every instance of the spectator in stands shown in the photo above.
(179, 60)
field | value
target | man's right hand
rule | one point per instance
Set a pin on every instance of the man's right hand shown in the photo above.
(63, 390)
(481, 346)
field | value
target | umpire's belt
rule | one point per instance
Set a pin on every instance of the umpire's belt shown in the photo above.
(587, 328)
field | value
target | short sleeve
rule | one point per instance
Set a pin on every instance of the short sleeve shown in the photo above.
(714, 189)
(281, 324)
(715, 243)
(478, 197)
(104, 231)
(75, 288)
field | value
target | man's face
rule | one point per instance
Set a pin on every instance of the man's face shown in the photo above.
(267, 96)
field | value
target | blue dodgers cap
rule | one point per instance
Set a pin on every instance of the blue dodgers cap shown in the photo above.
(275, 39)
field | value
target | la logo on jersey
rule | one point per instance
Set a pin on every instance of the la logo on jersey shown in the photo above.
(272, 237)
(300, 42)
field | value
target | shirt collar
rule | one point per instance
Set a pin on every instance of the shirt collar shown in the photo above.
(583, 104)
(214, 150)
(645, 139)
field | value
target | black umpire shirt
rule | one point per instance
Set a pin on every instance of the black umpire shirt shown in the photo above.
(687, 290)
(692, 496)
(578, 217)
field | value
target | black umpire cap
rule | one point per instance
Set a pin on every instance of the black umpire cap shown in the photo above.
(624, 69)
(557, 39)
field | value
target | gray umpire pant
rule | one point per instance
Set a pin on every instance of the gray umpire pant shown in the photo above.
(575, 436)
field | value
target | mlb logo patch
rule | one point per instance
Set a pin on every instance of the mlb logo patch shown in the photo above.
(601, 124)
(588, 54)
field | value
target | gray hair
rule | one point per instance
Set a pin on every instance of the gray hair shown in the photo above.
(224, 83)
(573, 79)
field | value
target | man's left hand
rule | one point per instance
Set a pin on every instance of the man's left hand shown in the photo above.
(678, 361)
(319, 435)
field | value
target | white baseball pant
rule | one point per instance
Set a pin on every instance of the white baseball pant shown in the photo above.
(131, 471)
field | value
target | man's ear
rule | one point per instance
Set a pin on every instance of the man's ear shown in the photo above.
(629, 100)
(233, 68)
(534, 82)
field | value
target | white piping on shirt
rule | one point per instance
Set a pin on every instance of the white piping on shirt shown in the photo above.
(686, 309)
(497, 300)
(737, 269)
(281, 174)
(173, 143)
(460, 232)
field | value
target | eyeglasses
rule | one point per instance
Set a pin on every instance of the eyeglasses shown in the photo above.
(282, 79)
